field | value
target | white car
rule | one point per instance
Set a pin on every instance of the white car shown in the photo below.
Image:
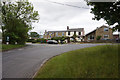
(52, 42)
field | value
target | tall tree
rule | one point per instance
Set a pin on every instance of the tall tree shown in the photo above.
(17, 18)
(109, 11)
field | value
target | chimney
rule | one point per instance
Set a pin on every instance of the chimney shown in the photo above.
(45, 31)
(67, 27)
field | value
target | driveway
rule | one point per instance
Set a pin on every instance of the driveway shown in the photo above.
(24, 62)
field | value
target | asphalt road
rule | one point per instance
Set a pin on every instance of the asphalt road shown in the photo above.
(24, 62)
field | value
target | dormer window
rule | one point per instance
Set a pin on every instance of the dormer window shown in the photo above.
(106, 29)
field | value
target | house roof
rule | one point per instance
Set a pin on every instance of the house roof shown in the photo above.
(96, 29)
(76, 29)
(58, 31)
(90, 32)
(73, 29)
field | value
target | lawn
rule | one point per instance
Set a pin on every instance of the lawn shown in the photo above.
(93, 62)
(9, 47)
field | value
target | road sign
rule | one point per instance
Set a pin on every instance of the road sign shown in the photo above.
(7, 38)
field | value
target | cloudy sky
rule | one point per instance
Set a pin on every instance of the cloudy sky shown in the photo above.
(56, 16)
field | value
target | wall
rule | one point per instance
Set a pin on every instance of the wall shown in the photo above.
(93, 33)
(100, 32)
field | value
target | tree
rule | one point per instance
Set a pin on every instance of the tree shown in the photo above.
(109, 11)
(34, 34)
(17, 18)
(74, 37)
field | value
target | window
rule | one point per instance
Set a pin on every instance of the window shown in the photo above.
(106, 36)
(68, 32)
(105, 29)
(62, 33)
(92, 37)
(56, 33)
(79, 33)
(88, 37)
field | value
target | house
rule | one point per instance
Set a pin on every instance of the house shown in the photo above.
(101, 33)
(78, 32)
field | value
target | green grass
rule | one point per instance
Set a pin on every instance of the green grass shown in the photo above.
(9, 47)
(93, 62)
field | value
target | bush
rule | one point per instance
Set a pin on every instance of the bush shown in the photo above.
(42, 40)
(34, 41)
(98, 37)
(38, 40)
(30, 40)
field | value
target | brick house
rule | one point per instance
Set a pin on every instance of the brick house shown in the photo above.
(79, 32)
(104, 32)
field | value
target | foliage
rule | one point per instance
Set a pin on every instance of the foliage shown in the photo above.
(34, 34)
(98, 37)
(109, 11)
(42, 40)
(34, 41)
(16, 19)
(74, 37)
(30, 40)
(0, 35)
(8, 47)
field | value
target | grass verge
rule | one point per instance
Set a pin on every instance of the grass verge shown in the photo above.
(93, 62)
(5, 47)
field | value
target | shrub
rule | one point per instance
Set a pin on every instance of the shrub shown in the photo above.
(38, 40)
(42, 40)
(30, 40)
(98, 37)
(34, 41)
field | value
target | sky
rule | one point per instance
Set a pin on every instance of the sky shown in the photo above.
(54, 15)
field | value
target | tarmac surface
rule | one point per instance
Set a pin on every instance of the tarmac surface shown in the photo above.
(25, 62)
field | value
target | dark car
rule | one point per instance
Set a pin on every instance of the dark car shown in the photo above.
(52, 42)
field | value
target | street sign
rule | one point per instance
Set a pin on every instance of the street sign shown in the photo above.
(7, 38)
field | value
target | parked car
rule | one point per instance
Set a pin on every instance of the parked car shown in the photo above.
(52, 42)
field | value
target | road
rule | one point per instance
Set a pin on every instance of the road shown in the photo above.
(24, 62)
